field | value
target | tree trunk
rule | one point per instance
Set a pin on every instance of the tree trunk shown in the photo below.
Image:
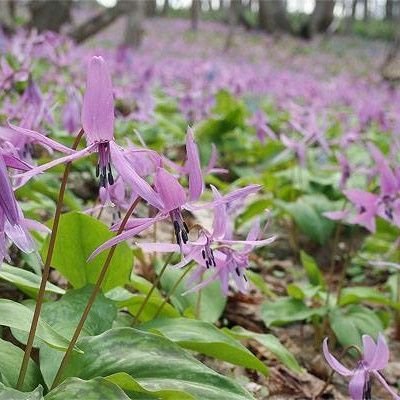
(366, 13)
(101, 21)
(234, 11)
(322, 16)
(195, 14)
(134, 28)
(150, 7)
(165, 7)
(389, 9)
(354, 9)
(272, 16)
(49, 15)
(391, 67)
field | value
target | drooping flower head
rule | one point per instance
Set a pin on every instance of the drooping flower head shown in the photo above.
(375, 357)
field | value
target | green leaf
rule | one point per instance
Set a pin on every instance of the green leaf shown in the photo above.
(94, 389)
(16, 315)
(153, 361)
(124, 298)
(78, 236)
(287, 310)
(205, 338)
(270, 342)
(135, 391)
(309, 219)
(64, 316)
(350, 323)
(295, 291)
(10, 364)
(26, 281)
(357, 294)
(212, 301)
(313, 272)
(7, 393)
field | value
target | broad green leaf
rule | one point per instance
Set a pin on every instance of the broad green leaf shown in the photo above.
(313, 272)
(212, 300)
(78, 236)
(205, 338)
(16, 315)
(287, 310)
(270, 342)
(7, 393)
(94, 389)
(133, 302)
(357, 294)
(10, 364)
(350, 323)
(26, 281)
(153, 361)
(295, 291)
(64, 316)
(135, 391)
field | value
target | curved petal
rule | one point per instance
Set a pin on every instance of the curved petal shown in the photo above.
(20, 237)
(381, 356)
(193, 167)
(130, 176)
(333, 362)
(369, 349)
(14, 162)
(357, 384)
(172, 194)
(98, 103)
(39, 137)
(8, 204)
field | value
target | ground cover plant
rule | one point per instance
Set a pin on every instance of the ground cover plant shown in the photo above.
(183, 222)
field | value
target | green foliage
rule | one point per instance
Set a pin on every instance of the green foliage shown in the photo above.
(78, 236)
(7, 393)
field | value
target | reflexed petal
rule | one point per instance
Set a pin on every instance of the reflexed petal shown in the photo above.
(357, 383)
(369, 349)
(8, 204)
(130, 177)
(252, 243)
(381, 356)
(33, 225)
(361, 197)
(20, 237)
(170, 190)
(39, 137)
(159, 247)
(98, 103)
(14, 162)
(193, 167)
(336, 215)
(44, 167)
(333, 362)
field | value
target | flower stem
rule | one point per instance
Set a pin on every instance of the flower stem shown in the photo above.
(46, 269)
(155, 284)
(171, 292)
(92, 297)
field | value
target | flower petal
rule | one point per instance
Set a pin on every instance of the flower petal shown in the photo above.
(385, 385)
(172, 194)
(193, 167)
(39, 137)
(381, 356)
(8, 204)
(98, 103)
(14, 162)
(333, 362)
(357, 383)
(220, 216)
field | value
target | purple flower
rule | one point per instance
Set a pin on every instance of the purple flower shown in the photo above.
(260, 123)
(98, 124)
(375, 357)
(12, 223)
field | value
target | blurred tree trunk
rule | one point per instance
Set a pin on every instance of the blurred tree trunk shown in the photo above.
(366, 12)
(389, 9)
(272, 16)
(49, 15)
(322, 16)
(165, 7)
(234, 11)
(134, 28)
(354, 9)
(195, 14)
(391, 67)
(150, 7)
(100, 21)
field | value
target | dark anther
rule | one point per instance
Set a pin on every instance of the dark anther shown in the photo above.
(237, 271)
(110, 178)
(203, 253)
(97, 170)
(184, 236)
(389, 212)
(177, 230)
(245, 278)
(362, 209)
(207, 264)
